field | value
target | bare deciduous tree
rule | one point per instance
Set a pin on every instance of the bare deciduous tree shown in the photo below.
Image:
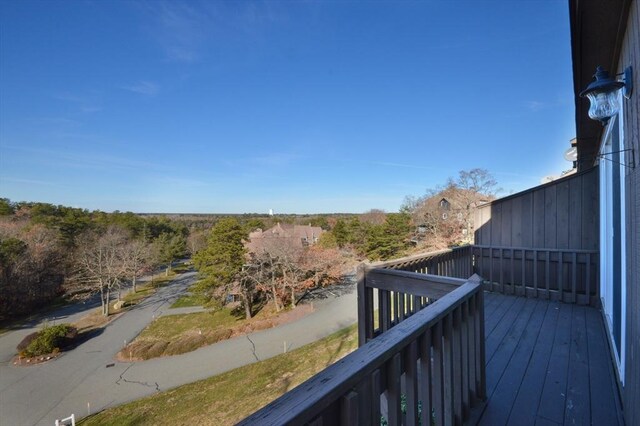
(137, 258)
(101, 263)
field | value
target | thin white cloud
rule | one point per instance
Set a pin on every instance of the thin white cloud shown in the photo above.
(147, 88)
(94, 161)
(536, 106)
(86, 104)
(59, 121)
(185, 30)
(28, 181)
(178, 28)
(276, 159)
(90, 109)
(178, 182)
(405, 166)
(68, 97)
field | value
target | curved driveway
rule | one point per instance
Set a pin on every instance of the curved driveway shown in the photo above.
(87, 379)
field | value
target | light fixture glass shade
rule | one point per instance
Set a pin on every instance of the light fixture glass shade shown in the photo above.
(603, 94)
(604, 105)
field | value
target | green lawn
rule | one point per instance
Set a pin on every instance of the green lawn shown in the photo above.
(173, 326)
(227, 398)
(188, 300)
(177, 334)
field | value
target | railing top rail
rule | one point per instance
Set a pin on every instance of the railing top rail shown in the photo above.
(552, 250)
(413, 258)
(432, 286)
(440, 279)
(310, 398)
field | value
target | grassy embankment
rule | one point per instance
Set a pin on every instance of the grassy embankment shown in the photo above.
(229, 397)
(178, 334)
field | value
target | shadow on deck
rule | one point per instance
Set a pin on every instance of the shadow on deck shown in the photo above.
(547, 363)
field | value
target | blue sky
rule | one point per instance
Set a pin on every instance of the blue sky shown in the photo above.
(296, 106)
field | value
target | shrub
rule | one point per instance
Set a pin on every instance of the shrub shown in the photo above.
(26, 341)
(47, 341)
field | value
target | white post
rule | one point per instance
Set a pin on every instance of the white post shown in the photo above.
(63, 422)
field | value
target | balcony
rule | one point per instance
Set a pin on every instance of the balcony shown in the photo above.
(437, 348)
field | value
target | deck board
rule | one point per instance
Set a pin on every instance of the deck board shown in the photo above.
(554, 393)
(547, 363)
(525, 406)
(504, 396)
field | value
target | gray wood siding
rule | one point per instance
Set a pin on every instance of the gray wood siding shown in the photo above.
(562, 214)
(630, 55)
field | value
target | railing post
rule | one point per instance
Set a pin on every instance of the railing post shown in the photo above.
(482, 391)
(363, 309)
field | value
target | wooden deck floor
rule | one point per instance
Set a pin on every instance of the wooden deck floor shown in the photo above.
(548, 363)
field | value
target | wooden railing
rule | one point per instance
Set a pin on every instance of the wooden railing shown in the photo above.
(385, 299)
(454, 262)
(571, 276)
(428, 369)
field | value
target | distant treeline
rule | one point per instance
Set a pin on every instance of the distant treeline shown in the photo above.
(44, 247)
(40, 242)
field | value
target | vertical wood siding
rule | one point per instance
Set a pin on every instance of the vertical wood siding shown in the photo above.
(562, 214)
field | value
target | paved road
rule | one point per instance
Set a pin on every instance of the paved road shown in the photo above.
(81, 380)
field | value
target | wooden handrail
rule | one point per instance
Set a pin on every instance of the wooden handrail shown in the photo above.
(410, 262)
(425, 348)
(401, 287)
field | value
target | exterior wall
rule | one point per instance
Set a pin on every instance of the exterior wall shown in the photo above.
(563, 214)
(630, 55)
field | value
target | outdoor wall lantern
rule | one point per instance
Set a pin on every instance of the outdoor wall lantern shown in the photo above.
(603, 93)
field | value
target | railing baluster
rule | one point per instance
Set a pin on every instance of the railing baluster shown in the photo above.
(480, 357)
(384, 308)
(363, 309)
(448, 363)
(363, 389)
(560, 274)
(535, 273)
(376, 391)
(464, 335)
(574, 273)
(501, 286)
(438, 373)
(349, 409)
(473, 353)
(393, 391)
(456, 364)
(523, 263)
(369, 312)
(588, 278)
(425, 377)
(491, 267)
(411, 383)
(513, 285)
(547, 270)
(317, 422)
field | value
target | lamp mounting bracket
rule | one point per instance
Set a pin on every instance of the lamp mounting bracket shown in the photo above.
(632, 165)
